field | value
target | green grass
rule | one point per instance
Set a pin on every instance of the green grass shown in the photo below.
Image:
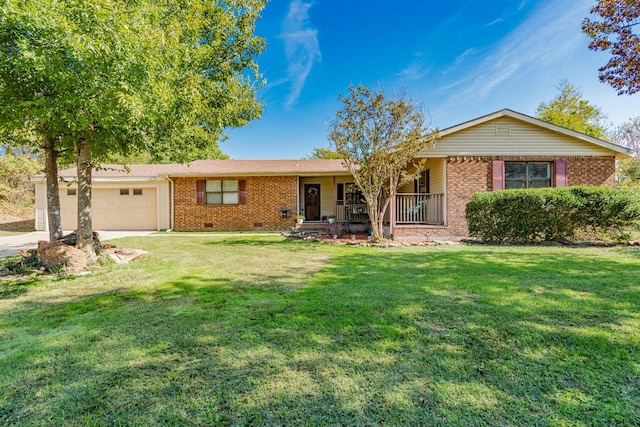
(261, 331)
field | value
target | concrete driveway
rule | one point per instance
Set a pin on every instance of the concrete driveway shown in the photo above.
(10, 245)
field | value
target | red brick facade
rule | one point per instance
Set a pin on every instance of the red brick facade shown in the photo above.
(468, 175)
(266, 196)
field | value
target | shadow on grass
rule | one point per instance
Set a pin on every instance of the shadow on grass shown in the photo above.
(485, 336)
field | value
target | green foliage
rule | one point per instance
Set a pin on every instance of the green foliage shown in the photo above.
(324, 153)
(94, 78)
(161, 78)
(628, 170)
(551, 213)
(16, 189)
(569, 110)
(378, 138)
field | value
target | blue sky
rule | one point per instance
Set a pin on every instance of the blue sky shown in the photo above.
(460, 59)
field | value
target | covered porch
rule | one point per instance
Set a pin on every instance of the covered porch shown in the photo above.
(420, 203)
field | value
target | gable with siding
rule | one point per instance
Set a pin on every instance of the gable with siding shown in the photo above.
(507, 133)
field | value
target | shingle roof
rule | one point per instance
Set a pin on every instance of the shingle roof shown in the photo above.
(218, 167)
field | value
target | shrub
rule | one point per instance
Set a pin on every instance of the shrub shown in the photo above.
(551, 213)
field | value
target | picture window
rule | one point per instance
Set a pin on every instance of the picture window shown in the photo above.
(222, 192)
(527, 174)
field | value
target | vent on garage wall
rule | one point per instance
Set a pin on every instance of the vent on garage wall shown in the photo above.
(257, 225)
(208, 225)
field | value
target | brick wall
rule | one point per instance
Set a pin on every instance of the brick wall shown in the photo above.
(468, 175)
(265, 197)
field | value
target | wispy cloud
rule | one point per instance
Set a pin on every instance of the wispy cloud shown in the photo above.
(302, 49)
(543, 39)
(494, 22)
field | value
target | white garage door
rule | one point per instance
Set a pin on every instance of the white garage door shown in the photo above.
(114, 209)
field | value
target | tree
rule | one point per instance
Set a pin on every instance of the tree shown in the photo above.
(97, 77)
(378, 138)
(323, 153)
(568, 109)
(612, 30)
(628, 135)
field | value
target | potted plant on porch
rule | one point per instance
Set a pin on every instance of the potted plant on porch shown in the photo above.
(331, 219)
(300, 219)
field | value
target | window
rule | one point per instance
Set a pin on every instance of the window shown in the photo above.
(71, 192)
(124, 191)
(422, 183)
(137, 191)
(221, 192)
(527, 174)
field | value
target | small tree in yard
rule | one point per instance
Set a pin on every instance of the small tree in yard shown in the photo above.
(378, 139)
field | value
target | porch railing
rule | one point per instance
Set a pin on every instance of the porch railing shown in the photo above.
(420, 208)
(351, 212)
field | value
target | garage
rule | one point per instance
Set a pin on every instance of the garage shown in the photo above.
(122, 208)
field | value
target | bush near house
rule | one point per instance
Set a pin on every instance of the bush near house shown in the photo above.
(551, 213)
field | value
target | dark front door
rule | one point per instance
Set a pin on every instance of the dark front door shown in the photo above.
(312, 202)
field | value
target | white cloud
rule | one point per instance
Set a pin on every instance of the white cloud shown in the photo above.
(542, 40)
(494, 22)
(302, 49)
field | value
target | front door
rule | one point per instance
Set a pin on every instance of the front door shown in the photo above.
(312, 202)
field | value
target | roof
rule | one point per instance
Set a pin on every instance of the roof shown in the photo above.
(214, 168)
(621, 152)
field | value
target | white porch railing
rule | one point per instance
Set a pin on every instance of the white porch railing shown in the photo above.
(417, 208)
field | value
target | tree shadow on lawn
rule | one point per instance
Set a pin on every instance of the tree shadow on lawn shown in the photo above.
(397, 337)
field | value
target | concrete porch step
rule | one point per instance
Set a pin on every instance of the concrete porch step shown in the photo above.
(312, 227)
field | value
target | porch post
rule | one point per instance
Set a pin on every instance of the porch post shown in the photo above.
(446, 193)
(298, 196)
(392, 214)
(335, 196)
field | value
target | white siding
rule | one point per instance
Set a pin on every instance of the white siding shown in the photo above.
(164, 206)
(506, 136)
(41, 206)
(436, 175)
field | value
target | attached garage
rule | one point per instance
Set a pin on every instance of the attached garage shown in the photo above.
(121, 208)
(135, 199)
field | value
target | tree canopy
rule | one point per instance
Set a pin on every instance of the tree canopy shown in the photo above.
(96, 78)
(324, 153)
(615, 29)
(628, 135)
(378, 137)
(570, 110)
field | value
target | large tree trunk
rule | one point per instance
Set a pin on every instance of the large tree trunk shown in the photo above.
(53, 192)
(85, 226)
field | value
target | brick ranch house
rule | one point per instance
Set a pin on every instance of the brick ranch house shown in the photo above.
(501, 150)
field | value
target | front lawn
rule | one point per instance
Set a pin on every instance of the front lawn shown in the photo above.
(213, 330)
